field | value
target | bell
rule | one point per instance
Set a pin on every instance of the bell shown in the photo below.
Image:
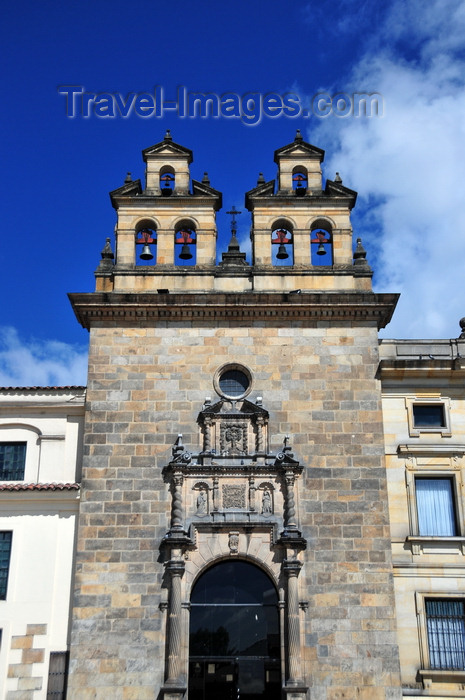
(321, 250)
(282, 253)
(146, 253)
(185, 253)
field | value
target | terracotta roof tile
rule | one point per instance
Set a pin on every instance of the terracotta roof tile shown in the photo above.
(39, 487)
(40, 388)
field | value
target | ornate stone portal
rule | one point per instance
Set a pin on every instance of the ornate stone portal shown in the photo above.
(232, 499)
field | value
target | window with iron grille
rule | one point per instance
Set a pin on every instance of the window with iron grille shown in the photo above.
(12, 461)
(445, 621)
(5, 551)
(57, 675)
(435, 502)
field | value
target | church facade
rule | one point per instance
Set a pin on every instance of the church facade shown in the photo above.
(271, 501)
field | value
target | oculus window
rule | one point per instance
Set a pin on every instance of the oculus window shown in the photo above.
(233, 381)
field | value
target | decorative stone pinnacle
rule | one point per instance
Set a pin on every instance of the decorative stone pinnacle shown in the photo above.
(178, 447)
(338, 179)
(462, 326)
(261, 179)
(107, 253)
(206, 179)
(128, 179)
(360, 255)
(168, 136)
(298, 136)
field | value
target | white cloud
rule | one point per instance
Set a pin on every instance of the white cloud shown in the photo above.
(409, 165)
(40, 362)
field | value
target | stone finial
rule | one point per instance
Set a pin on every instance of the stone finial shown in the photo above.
(107, 252)
(178, 447)
(260, 179)
(128, 179)
(360, 255)
(298, 136)
(206, 179)
(287, 446)
(108, 257)
(168, 136)
(462, 326)
(338, 179)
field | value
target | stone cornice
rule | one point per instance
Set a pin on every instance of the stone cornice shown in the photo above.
(274, 308)
(427, 368)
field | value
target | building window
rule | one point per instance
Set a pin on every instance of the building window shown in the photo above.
(427, 415)
(233, 381)
(5, 551)
(445, 622)
(12, 461)
(435, 506)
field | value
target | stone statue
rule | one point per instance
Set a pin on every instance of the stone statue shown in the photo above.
(266, 503)
(202, 502)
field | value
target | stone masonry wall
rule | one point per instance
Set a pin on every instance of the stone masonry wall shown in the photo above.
(28, 671)
(148, 384)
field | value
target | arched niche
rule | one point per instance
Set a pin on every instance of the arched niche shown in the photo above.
(321, 242)
(167, 180)
(185, 239)
(146, 242)
(282, 242)
(299, 180)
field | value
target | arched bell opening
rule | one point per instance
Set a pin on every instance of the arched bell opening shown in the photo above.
(282, 243)
(185, 243)
(234, 638)
(299, 180)
(167, 180)
(146, 243)
(321, 243)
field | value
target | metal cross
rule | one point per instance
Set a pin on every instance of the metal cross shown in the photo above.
(233, 214)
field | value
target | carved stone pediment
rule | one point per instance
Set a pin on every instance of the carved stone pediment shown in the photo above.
(237, 428)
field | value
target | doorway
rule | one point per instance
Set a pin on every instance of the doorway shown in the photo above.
(234, 650)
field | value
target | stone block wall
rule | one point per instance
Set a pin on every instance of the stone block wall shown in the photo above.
(28, 672)
(147, 385)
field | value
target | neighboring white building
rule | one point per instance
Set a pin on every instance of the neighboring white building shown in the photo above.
(40, 454)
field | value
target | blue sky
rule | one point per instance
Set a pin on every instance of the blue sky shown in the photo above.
(407, 166)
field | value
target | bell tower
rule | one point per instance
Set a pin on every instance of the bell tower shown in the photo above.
(233, 532)
(162, 228)
(301, 232)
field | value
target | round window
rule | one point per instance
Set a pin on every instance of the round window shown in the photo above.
(233, 382)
